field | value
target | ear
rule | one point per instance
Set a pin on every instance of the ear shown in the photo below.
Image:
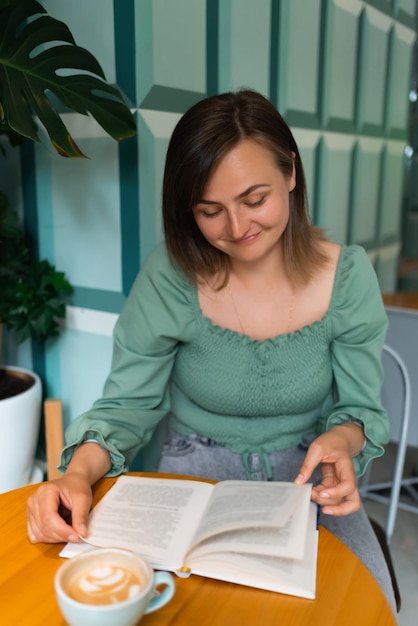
(292, 179)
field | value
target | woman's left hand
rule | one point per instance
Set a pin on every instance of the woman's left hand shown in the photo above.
(337, 493)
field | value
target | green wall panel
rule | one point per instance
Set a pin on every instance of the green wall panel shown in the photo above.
(406, 11)
(334, 185)
(84, 361)
(408, 7)
(244, 44)
(383, 5)
(340, 64)
(399, 79)
(365, 192)
(84, 195)
(308, 142)
(171, 53)
(299, 61)
(372, 69)
(392, 183)
(412, 177)
(91, 24)
(411, 236)
(42, 197)
(154, 131)
(387, 267)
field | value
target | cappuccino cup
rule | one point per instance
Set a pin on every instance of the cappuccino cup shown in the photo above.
(110, 587)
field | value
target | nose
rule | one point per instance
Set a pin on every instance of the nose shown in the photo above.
(238, 224)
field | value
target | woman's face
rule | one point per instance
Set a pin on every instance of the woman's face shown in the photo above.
(245, 205)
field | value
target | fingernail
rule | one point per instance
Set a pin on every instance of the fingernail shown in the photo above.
(324, 494)
(299, 478)
(73, 538)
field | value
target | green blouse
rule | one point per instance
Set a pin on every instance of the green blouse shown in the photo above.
(248, 395)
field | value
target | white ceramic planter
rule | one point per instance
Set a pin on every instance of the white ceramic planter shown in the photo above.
(19, 429)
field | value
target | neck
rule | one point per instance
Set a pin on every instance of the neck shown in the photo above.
(263, 273)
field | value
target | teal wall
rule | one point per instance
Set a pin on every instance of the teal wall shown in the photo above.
(338, 70)
(409, 265)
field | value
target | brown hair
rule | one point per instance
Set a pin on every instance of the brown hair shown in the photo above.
(202, 137)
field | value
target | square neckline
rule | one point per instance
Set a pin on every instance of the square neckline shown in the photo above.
(307, 328)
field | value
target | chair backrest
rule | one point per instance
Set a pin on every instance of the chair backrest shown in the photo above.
(396, 383)
(396, 394)
(402, 336)
(54, 435)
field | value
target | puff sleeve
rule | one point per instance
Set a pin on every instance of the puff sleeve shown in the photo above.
(359, 326)
(156, 317)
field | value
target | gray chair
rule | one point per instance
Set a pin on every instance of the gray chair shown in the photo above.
(397, 384)
(402, 336)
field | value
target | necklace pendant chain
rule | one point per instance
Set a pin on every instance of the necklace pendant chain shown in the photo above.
(292, 306)
(235, 309)
(241, 325)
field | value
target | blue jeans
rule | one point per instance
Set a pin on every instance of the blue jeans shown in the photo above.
(198, 456)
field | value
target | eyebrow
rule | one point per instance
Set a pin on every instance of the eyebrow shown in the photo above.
(241, 195)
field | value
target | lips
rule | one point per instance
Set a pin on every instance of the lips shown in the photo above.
(245, 240)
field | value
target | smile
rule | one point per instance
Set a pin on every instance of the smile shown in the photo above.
(245, 240)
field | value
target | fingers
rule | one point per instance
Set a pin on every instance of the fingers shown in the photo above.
(49, 508)
(337, 493)
(79, 517)
(338, 506)
(338, 480)
(311, 461)
(44, 524)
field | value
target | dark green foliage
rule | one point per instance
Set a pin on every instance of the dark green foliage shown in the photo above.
(32, 292)
(39, 58)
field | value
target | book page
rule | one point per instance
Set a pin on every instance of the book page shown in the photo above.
(283, 540)
(155, 517)
(244, 504)
(285, 575)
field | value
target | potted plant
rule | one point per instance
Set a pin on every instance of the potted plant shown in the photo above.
(34, 48)
(32, 294)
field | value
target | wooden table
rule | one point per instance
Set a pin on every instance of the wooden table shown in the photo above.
(402, 299)
(347, 594)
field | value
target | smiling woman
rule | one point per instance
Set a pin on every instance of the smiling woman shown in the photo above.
(239, 130)
(257, 338)
(246, 223)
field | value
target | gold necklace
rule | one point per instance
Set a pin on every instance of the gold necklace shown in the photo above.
(241, 325)
(235, 309)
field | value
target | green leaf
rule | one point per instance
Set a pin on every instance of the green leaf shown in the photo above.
(32, 291)
(10, 227)
(38, 57)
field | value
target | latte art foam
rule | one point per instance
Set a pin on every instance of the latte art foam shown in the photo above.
(105, 585)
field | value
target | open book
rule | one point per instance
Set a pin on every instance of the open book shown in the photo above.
(260, 534)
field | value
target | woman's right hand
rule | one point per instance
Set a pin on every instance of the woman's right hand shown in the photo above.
(57, 511)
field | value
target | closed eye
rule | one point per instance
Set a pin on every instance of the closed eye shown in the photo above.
(210, 214)
(256, 203)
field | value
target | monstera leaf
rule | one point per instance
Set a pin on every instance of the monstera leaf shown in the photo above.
(39, 57)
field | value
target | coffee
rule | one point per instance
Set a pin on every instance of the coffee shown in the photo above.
(110, 587)
(105, 584)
